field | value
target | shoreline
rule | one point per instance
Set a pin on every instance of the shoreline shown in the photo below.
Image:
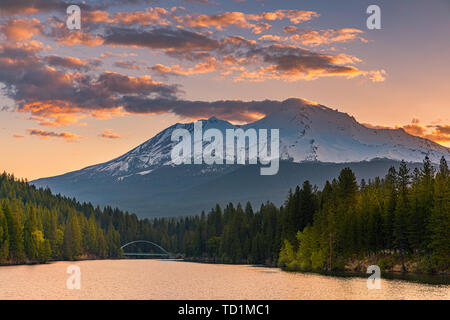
(408, 276)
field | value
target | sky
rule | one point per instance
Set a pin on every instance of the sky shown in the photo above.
(73, 98)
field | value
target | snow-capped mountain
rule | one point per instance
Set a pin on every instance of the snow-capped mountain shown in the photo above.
(316, 142)
(152, 154)
(318, 133)
(307, 133)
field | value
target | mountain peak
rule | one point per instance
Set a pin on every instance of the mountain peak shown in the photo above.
(308, 132)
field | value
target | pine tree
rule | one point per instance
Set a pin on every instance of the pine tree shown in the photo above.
(68, 252)
(76, 235)
(439, 225)
(91, 236)
(390, 202)
(4, 238)
(52, 233)
(288, 219)
(101, 245)
(402, 212)
(307, 205)
(421, 212)
(287, 254)
(45, 251)
(347, 191)
(15, 231)
(113, 242)
(30, 244)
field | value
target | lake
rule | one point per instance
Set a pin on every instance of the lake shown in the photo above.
(172, 279)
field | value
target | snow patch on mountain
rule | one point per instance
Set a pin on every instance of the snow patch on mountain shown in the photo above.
(307, 133)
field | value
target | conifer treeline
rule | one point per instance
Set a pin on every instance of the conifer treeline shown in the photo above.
(405, 215)
(36, 226)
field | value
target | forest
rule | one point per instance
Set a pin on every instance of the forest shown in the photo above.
(402, 219)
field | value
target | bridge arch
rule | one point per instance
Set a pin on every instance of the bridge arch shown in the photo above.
(165, 254)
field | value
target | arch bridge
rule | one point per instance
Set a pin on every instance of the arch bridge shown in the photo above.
(164, 253)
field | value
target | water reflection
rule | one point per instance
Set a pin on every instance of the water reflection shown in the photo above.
(166, 279)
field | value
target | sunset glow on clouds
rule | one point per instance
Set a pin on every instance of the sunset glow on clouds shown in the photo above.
(438, 133)
(109, 134)
(21, 29)
(313, 38)
(50, 134)
(60, 90)
(435, 132)
(184, 59)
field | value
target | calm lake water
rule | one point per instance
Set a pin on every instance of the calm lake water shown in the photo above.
(168, 279)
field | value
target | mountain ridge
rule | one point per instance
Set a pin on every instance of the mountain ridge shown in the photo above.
(309, 134)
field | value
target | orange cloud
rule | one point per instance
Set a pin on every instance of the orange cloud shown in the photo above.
(56, 98)
(270, 37)
(148, 17)
(219, 21)
(108, 54)
(109, 134)
(295, 74)
(42, 86)
(295, 16)
(107, 88)
(316, 38)
(292, 63)
(60, 33)
(261, 27)
(290, 29)
(151, 16)
(242, 20)
(21, 29)
(415, 129)
(96, 16)
(289, 62)
(126, 65)
(435, 132)
(209, 65)
(56, 113)
(442, 129)
(69, 137)
(72, 62)
(343, 58)
(81, 38)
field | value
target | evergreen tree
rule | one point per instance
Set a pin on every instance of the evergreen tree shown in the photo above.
(4, 238)
(390, 203)
(287, 254)
(439, 226)
(402, 212)
(15, 232)
(30, 241)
